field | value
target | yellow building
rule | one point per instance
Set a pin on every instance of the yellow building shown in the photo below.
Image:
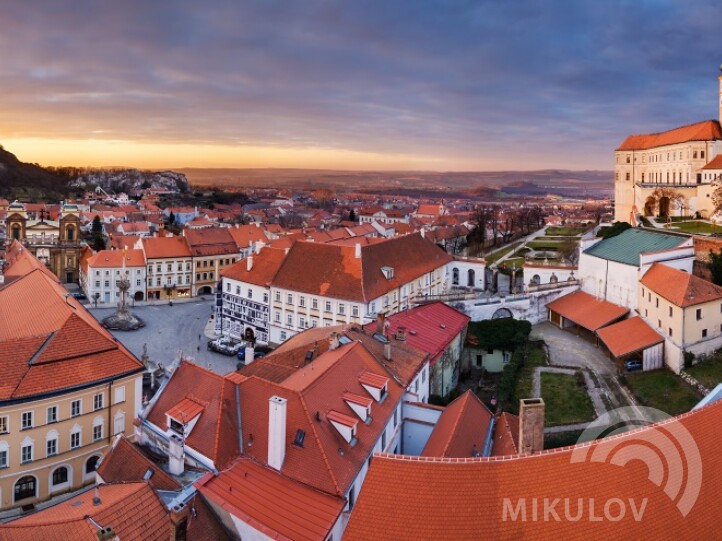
(685, 309)
(661, 174)
(67, 386)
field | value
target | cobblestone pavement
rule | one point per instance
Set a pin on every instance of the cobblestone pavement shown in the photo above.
(169, 330)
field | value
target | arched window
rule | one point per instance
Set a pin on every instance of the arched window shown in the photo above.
(455, 276)
(25, 487)
(471, 278)
(502, 313)
(536, 280)
(553, 279)
(16, 232)
(91, 464)
(60, 475)
(70, 232)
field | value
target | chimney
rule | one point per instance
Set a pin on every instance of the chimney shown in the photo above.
(333, 341)
(107, 534)
(387, 351)
(380, 322)
(176, 462)
(276, 431)
(249, 263)
(357, 253)
(249, 355)
(531, 425)
(401, 334)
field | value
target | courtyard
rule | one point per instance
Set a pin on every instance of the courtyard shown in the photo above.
(170, 331)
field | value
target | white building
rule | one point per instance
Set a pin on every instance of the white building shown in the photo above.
(100, 273)
(325, 285)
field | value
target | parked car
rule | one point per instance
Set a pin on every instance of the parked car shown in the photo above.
(79, 295)
(632, 365)
(225, 346)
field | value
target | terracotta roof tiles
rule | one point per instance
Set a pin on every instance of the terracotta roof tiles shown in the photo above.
(679, 287)
(587, 311)
(707, 130)
(628, 336)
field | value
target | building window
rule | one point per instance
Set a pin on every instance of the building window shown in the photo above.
(699, 314)
(98, 401)
(119, 395)
(25, 488)
(75, 440)
(27, 420)
(75, 408)
(91, 464)
(301, 322)
(51, 447)
(97, 432)
(351, 498)
(52, 414)
(704, 333)
(228, 288)
(670, 331)
(289, 319)
(60, 476)
(341, 308)
(278, 316)
(289, 298)
(283, 336)
(4, 425)
(327, 307)
(670, 311)
(314, 304)
(302, 301)
(354, 310)
(265, 298)
(3, 459)
(278, 296)
(26, 453)
(250, 293)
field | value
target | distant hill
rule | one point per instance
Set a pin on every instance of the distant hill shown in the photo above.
(131, 180)
(27, 181)
(478, 183)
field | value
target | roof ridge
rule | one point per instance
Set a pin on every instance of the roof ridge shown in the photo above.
(217, 443)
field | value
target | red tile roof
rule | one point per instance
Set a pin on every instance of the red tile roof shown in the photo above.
(364, 401)
(264, 269)
(186, 410)
(312, 391)
(273, 504)
(48, 341)
(166, 247)
(125, 462)
(334, 271)
(429, 327)
(587, 311)
(245, 235)
(133, 510)
(678, 287)
(210, 433)
(210, 241)
(506, 435)
(707, 130)
(715, 163)
(342, 418)
(628, 336)
(464, 499)
(461, 429)
(114, 259)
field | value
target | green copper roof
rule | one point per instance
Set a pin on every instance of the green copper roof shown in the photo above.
(626, 247)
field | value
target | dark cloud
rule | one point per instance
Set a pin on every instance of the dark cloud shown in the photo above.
(534, 83)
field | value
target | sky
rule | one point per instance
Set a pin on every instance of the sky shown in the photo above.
(401, 84)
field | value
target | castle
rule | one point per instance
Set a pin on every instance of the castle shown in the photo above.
(672, 173)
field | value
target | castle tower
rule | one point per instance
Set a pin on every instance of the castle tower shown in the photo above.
(16, 221)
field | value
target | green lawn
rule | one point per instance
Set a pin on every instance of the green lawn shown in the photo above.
(544, 245)
(493, 257)
(708, 373)
(565, 401)
(697, 227)
(513, 262)
(663, 390)
(565, 231)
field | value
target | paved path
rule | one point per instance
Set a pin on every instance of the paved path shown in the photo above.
(523, 241)
(569, 350)
(170, 330)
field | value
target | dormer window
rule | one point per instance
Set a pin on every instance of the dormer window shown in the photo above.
(375, 385)
(182, 417)
(388, 272)
(345, 425)
(361, 405)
